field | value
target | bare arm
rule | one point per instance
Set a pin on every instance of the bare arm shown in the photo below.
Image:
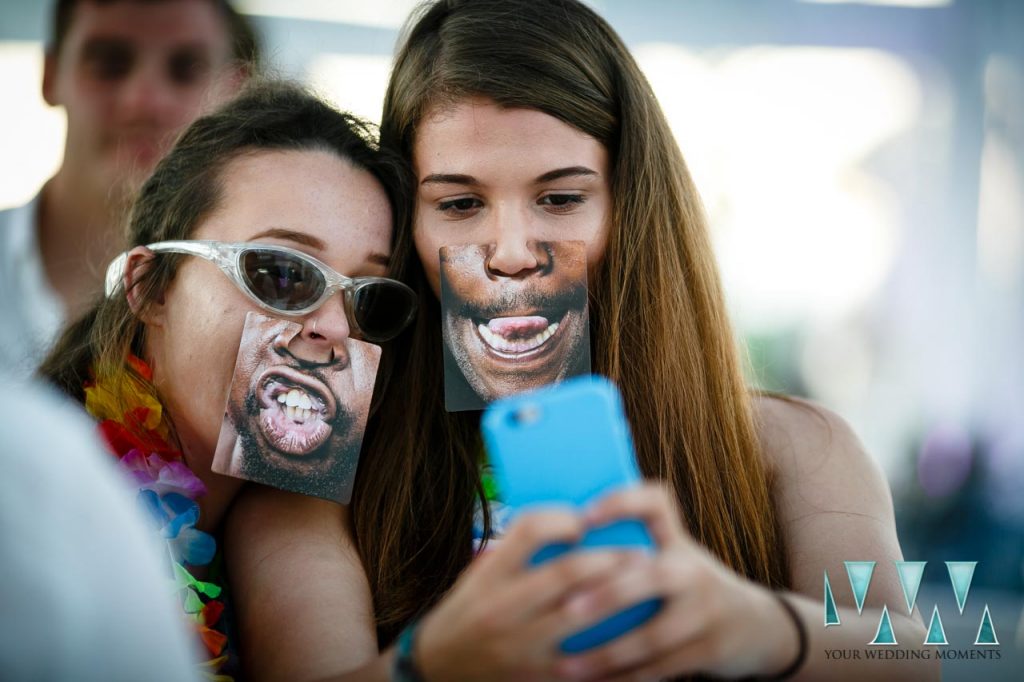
(300, 594)
(305, 611)
(834, 505)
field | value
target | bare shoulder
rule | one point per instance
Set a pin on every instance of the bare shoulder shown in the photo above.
(276, 540)
(832, 499)
(817, 460)
(267, 513)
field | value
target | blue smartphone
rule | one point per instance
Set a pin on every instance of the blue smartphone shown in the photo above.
(569, 444)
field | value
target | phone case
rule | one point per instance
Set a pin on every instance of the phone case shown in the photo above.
(569, 444)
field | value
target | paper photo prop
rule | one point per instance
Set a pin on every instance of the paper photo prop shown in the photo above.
(293, 421)
(507, 334)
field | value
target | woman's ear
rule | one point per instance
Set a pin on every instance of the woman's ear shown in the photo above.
(137, 263)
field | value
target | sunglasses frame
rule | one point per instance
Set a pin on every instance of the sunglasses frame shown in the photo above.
(228, 257)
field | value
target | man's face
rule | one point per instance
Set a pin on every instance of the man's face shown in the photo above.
(131, 75)
(508, 335)
(299, 424)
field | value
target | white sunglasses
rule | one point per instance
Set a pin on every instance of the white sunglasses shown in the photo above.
(289, 282)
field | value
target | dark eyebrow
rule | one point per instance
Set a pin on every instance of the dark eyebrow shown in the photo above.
(101, 45)
(290, 235)
(314, 243)
(194, 48)
(460, 179)
(379, 259)
(450, 179)
(570, 172)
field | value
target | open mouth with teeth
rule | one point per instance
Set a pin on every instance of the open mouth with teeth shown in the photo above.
(518, 336)
(510, 353)
(296, 411)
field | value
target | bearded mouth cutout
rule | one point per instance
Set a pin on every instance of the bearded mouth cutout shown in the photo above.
(504, 335)
(296, 410)
(294, 423)
(515, 336)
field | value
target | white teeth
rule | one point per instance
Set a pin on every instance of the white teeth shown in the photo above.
(298, 414)
(500, 344)
(297, 405)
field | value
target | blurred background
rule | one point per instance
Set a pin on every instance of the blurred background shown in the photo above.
(862, 164)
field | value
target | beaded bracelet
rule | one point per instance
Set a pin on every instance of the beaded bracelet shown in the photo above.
(801, 634)
(404, 668)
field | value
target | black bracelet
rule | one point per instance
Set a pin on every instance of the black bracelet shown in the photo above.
(801, 635)
(404, 668)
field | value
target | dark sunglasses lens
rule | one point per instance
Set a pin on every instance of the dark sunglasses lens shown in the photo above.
(281, 280)
(382, 309)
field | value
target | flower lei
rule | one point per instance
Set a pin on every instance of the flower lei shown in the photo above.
(501, 515)
(167, 491)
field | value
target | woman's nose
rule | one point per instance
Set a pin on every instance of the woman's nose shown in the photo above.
(514, 252)
(325, 334)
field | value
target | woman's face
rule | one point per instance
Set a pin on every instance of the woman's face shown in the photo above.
(507, 178)
(313, 201)
(521, 203)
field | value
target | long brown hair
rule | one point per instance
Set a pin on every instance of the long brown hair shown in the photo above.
(185, 187)
(660, 328)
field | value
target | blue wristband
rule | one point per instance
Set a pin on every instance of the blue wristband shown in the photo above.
(405, 668)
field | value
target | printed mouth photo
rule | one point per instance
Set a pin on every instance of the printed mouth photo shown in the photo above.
(504, 334)
(296, 410)
(525, 339)
(519, 336)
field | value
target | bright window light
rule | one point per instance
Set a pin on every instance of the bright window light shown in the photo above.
(353, 82)
(895, 3)
(379, 14)
(32, 136)
(776, 139)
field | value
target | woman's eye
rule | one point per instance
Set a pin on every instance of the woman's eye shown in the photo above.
(562, 202)
(459, 206)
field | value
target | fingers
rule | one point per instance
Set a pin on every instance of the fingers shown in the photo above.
(641, 581)
(568, 615)
(651, 503)
(527, 534)
(650, 642)
(688, 614)
(538, 598)
(682, 661)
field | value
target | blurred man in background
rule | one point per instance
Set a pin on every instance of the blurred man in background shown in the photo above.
(131, 74)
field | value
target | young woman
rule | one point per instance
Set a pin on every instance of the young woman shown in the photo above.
(258, 207)
(529, 121)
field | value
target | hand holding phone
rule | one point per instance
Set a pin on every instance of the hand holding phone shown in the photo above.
(569, 444)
